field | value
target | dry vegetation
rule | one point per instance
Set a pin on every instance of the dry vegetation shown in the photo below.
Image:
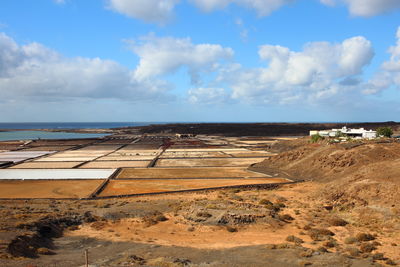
(345, 213)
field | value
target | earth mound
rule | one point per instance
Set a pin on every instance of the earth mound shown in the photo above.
(365, 172)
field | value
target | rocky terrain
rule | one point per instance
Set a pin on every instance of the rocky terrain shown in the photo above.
(344, 211)
(251, 129)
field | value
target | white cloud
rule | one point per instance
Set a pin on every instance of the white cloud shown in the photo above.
(154, 11)
(163, 55)
(208, 96)
(60, 2)
(393, 64)
(162, 11)
(366, 8)
(328, 2)
(389, 73)
(262, 7)
(36, 72)
(322, 71)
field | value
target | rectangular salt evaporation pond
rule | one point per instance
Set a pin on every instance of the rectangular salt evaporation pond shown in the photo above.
(48, 189)
(208, 162)
(54, 174)
(17, 156)
(127, 187)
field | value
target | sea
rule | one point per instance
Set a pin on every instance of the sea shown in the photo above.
(25, 131)
(70, 125)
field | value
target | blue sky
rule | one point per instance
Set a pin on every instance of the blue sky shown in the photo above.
(199, 60)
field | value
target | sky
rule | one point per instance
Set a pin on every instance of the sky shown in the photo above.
(199, 60)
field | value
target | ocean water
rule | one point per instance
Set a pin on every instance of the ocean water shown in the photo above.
(32, 135)
(28, 134)
(69, 125)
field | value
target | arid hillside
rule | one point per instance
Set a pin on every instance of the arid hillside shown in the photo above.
(363, 172)
(356, 181)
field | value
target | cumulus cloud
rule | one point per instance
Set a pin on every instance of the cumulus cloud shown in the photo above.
(163, 55)
(208, 96)
(154, 11)
(262, 7)
(321, 71)
(366, 8)
(35, 71)
(389, 73)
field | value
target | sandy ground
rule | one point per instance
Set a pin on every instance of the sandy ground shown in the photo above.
(64, 159)
(125, 158)
(195, 154)
(173, 232)
(223, 162)
(48, 148)
(127, 187)
(115, 164)
(222, 172)
(108, 148)
(351, 189)
(251, 154)
(48, 189)
(46, 165)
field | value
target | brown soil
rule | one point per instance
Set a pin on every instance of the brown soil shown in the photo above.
(351, 190)
(129, 187)
(358, 181)
(222, 172)
(364, 172)
(46, 165)
(47, 189)
(48, 148)
(193, 154)
(115, 164)
(206, 162)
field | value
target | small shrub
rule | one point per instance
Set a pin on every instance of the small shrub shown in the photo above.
(265, 202)
(337, 222)
(367, 247)
(364, 237)
(350, 240)
(305, 263)
(319, 234)
(203, 214)
(316, 138)
(352, 251)
(280, 204)
(329, 244)
(307, 253)
(231, 229)
(378, 256)
(160, 218)
(285, 217)
(154, 219)
(285, 246)
(294, 239)
(376, 243)
(322, 249)
(390, 262)
(384, 131)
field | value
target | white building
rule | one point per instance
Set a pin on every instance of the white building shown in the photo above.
(354, 133)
